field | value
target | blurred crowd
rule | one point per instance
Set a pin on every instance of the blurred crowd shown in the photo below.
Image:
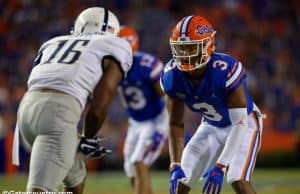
(262, 34)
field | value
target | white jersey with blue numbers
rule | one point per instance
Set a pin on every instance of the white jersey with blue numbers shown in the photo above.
(73, 64)
(222, 76)
(136, 90)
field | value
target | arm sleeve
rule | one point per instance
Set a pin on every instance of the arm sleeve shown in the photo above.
(239, 120)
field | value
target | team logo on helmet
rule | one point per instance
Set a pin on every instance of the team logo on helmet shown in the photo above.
(204, 29)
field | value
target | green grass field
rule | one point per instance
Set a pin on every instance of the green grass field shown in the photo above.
(269, 181)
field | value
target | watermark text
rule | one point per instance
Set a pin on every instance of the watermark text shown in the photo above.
(34, 192)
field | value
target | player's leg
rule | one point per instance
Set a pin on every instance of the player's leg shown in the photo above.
(240, 170)
(129, 147)
(139, 151)
(37, 190)
(27, 117)
(183, 188)
(198, 155)
(147, 151)
(142, 179)
(143, 156)
(78, 189)
(53, 119)
(47, 169)
(75, 179)
(243, 187)
(132, 180)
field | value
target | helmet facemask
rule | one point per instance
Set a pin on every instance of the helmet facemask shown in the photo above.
(190, 55)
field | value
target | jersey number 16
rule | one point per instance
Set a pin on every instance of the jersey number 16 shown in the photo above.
(62, 51)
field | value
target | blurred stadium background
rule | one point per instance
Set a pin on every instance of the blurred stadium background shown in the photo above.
(262, 34)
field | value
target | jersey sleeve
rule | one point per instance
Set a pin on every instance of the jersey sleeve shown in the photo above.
(156, 70)
(167, 79)
(236, 74)
(152, 67)
(119, 49)
(123, 53)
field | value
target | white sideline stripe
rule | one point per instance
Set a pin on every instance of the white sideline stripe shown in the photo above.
(235, 75)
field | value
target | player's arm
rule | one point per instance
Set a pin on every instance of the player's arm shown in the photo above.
(237, 99)
(176, 133)
(237, 104)
(155, 75)
(176, 142)
(157, 89)
(102, 96)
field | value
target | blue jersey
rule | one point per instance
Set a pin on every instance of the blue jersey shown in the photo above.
(223, 75)
(137, 91)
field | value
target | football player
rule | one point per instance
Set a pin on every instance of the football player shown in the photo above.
(143, 100)
(213, 85)
(68, 69)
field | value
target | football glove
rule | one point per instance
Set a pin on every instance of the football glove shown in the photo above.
(92, 148)
(176, 175)
(157, 137)
(214, 180)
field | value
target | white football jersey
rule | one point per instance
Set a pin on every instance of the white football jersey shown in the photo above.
(73, 64)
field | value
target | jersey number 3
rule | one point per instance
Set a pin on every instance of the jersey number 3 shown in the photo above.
(208, 111)
(135, 98)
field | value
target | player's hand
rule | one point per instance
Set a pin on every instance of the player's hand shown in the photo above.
(92, 148)
(214, 180)
(157, 137)
(176, 175)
